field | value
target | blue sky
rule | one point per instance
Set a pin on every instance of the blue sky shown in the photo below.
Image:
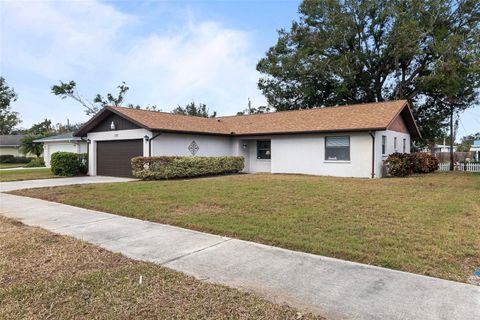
(168, 52)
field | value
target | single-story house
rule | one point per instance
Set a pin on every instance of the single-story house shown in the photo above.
(347, 141)
(10, 144)
(64, 142)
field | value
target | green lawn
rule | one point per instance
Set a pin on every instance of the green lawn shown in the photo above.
(47, 276)
(426, 224)
(26, 174)
(11, 165)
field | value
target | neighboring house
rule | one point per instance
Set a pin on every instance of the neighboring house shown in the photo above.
(443, 148)
(475, 149)
(64, 142)
(348, 141)
(10, 144)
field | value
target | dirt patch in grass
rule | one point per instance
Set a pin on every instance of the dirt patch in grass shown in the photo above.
(26, 174)
(47, 276)
(426, 224)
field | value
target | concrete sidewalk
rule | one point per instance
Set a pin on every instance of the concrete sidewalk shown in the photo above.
(40, 183)
(20, 168)
(334, 288)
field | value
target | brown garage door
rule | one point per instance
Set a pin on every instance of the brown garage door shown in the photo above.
(113, 157)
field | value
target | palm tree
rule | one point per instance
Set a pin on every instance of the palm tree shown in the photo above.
(29, 146)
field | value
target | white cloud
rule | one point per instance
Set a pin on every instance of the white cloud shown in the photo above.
(203, 62)
(57, 39)
(99, 46)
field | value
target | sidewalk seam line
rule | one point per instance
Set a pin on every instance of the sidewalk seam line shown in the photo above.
(193, 252)
(81, 224)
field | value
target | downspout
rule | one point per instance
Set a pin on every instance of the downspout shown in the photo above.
(372, 134)
(88, 152)
(150, 143)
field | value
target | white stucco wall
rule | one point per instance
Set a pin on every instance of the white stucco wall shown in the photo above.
(112, 135)
(390, 148)
(298, 153)
(14, 151)
(173, 144)
(51, 147)
(247, 147)
(305, 154)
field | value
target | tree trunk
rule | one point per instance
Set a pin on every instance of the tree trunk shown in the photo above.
(451, 139)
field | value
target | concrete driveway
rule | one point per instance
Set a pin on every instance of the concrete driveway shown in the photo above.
(330, 287)
(40, 183)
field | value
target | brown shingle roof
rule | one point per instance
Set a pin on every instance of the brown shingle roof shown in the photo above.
(341, 118)
(369, 116)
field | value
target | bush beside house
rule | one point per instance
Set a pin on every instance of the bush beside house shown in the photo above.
(9, 158)
(404, 164)
(69, 163)
(154, 168)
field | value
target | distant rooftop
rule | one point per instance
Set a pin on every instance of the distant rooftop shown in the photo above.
(61, 137)
(11, 140)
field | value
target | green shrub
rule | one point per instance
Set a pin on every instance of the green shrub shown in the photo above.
(154, 168)
(399, 164)
(9, 158)
(423, 162)
(68, 163)
(35, 162)
(23, 159)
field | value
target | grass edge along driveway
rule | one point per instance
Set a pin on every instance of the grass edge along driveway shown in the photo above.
(44, 275)
(426, 224)
(26, 174)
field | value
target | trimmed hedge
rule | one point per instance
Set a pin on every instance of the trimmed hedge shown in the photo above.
(36, 162)
(404, 164)
(69, 163)
(155, 168)
(10, 158)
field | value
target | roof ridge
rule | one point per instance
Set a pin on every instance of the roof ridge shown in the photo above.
(266, 113)
(164, 112)
(315, 108)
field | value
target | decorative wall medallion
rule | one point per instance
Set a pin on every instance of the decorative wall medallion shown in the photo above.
(193, 147)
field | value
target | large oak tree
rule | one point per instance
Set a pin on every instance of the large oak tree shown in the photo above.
(346, 52)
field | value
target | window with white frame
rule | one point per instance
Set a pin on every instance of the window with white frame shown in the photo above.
(264, 149)
(384, 144)
(337, 148)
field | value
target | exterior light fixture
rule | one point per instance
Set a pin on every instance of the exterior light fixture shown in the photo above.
(267, 152)
(244, 146)
(113, 126)
(147, 138)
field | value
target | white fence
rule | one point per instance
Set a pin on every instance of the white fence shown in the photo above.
(468, 167)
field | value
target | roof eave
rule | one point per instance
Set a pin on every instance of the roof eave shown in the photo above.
(415, 132)
(309, 131)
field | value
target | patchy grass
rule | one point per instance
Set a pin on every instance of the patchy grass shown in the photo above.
(427, 224)
(26, 174)
(47, 276)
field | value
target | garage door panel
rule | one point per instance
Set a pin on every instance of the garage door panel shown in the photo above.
(113, 157)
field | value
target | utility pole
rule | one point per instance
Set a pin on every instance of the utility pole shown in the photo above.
(451, 139)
